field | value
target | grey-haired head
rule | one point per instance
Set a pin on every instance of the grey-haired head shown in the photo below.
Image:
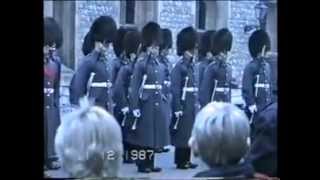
(220, 134)
(89, 142)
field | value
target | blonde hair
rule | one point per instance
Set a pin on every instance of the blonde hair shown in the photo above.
(220, 134)
(89, 142)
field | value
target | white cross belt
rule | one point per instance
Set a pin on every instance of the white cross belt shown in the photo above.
(191, 89)
(222, 89)
(152, 86)
(261, 85)
(102, 84)
(48, 90)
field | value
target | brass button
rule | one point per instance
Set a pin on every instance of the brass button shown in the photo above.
(157, 104)
(48, 107)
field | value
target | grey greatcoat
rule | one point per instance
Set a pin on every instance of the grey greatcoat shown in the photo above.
(260, 67)
(121, 89)
(52, 68)
(179, 73)
(203, 64)
(273, 61)
(153, 126)
(221, 72)
(100, 87)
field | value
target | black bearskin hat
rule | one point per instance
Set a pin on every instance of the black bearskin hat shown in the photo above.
(52, 32)
(131, 42)
(205, 42)
(257, 40)
(103, 29)
(151, 34)
(166, 39)
(222, 41)
(186, 40)
(88, 44)
(118, 42)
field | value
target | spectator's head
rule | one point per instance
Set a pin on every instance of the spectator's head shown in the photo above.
(257, 41)
(220, 134)
(222, 42)
(187, 40)
(89, 142)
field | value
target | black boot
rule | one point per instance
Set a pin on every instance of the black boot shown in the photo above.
(192, 165)
(156, 169)
(144, 169)
(183, 166)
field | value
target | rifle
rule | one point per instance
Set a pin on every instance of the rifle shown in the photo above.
(214, 89)
(144, 78)
(176, 124)
(255, 95)
(183, 98)
(263, 53)
(134, 126)
(124, 120)
(184, 90)
(90, 82)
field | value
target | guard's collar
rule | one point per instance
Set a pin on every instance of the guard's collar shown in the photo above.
(188, 57)
(209, 55)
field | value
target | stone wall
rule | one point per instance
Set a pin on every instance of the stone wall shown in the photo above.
(66, 76)
(176, 15)
(47, 8)
(242, 13)
(272, 25)
(86, 13)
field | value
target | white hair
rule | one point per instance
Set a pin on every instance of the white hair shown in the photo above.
(220, 135)
(89, 142)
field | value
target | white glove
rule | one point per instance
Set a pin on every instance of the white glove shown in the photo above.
(178, 113)
(125, 110)
(136, 113)
(167, 83)
(253, 108)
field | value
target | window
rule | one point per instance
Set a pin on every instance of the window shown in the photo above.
(130, 7)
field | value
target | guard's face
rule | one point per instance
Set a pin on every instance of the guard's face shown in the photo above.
(165, 52)
(154, 50)
(107, 50)
(47, 50)
(133, 57)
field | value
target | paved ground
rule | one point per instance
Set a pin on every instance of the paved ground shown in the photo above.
(163, 160)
